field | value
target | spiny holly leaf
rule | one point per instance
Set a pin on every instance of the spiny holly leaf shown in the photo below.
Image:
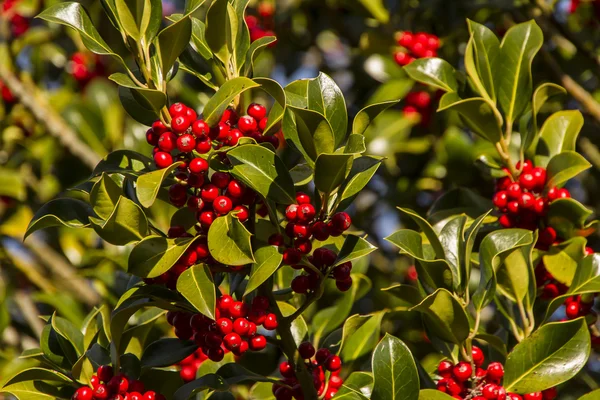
(61, 212)
(150, 183)
(394, 371)
(155, 255)
(552, 355)
(104, 196)
(127, 223)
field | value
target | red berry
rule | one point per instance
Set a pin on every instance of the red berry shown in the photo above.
(547, 236)
(101, 392)
(305, 212)
(238, 309)
(342, 271)
(540, 205)
(209, 193)
(539, 174)
(233, 137)
(306, 350)
(300, 284)
(333, 363)
(527, 166)
(242, 213)
(478, 356)
(514, 396)
(225, 302)
(331, 392)
(344, 284)
(159, 128)
(220, 179)
(514, 191)
(232, 341)
(215, 354)
(235, 188)
(180, 124)
(341, 221)
(500, 199)
(553, 193)
(320, 230)
(258, 342)
(200, 129)
(222, 205)
(83, 393)
(406, 39)
(105, 373)
(177, 109)
(286, 369)
(324, 257)
(303, 245)
(526, 201)
(572, 310)
(206, 218)
(257, 111)
(186, 143)
(549, 394)
(291, 256)
(490, 391)
(563, 194)
(291, 212)
(262, 124)
(151, 137)
(322, 355)
(229, 116)
(302, 198)
(550, 291)
(301, 231)
(462, 371)
(527, 181)
(247, 124)
(187, 374)
(270, 322)
(505, 221)
(495, 371)
(203, 146)
(433, 43)
(513, 207)
(162, 159)
(533, 396)
(445, 368)
(402, 58)
(167, 142)
(276, 239)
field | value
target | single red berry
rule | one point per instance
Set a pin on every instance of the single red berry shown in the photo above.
(222, 205)
(514, 396)
(344, 284)
(306, 350)
(445, 368)
(322, 355)
(238, 309)
(257, 111)
(177, 192)
(258, 343)
(572, 310)
(490, 391)
(300, 284)
(262, 124)
(333, 363)
(83, 393)
(242, 213)
(462, 371)
(235, 188)
(167, 142)
(324, 257)
(200, 129)
(180, 124)
(527, 166)
(533, 396)
(563, 194)
(150, 395)
(101, 392)
(341, 221)
(320, 230)
(233, 137)
(495, 371)
(209, 193)
(241, 326)
(331, 392)
(198, 165)
(270, 322)
(527, 181)
(203, 146)
(406, 39)
(540, 206)
(162, 159)
(500, 199)
(547, 236)
(539, 174)
(335, 381)
(505, 221)
(478, 356)
(220, 179)
(206, 218)
(549, 394)
(402, 58)
(433, 43)
(342, 271)
(247, 124)
(302, 198)
(291, 256)
(550, 291)
(514, 191)
(186, 143)
(301, 231)
(215, 354)
(229, 116)
(291, 212)
(232, 341)
(177, 109)
(305, 212)
(105, 373)
(159, 128)
(303, 245)
(152, 137)
(225, 302)
(526, 201)
(513, 207)
(553, 193)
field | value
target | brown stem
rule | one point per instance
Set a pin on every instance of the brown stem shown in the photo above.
(55, 124)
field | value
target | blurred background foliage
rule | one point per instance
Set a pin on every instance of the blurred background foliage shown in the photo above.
(66, 115)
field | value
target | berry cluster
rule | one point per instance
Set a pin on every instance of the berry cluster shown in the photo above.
(19, 24)
(189, 134)
(262, 25)
(415, 45)
(107, 386)
(83, 67)
(189, 365)
(461, 382)
(524, 202)
(581, 306)
(322, 258)
(235, 328)
(323, 361)
(418, 104)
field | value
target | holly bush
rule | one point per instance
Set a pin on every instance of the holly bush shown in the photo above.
(412, 218)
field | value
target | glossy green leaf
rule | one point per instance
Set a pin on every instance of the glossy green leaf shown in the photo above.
(591, 395)
(31, 390)
(432, 272)
(219, 30)
(514, 85)
(127, 223)
(298, 328)
(492, 256)
(356, 144)
(166, 352)
(358, 386)
(67, 330)
(148, 98)
(135, 109)
(394, 371)
(452, 240)
(326, 98)
(433, 72)
(127, 19)
(74, 15)
(331, 170)
(149, 184)
(405, 292)
(445, 316)
(480, 62)
(229, 241)
(428, 231)
(363, 169)
(208, 381)
(476, 112)
(125, 162)
(268, 259)
(155, 255)
(360, 335)
(263, 171)
(564, 166)
(569, 218)
(559, 132)
(301, 174)
(38, 374)
(255, 49)
(315, 133)
(224, 96)
(240, 34)
(368, 114)
(61, 212)
(197, 286)
(104, 196)
(354, 247)
(552, 355)
(171, 42)
(562, 259)
(540, 97)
